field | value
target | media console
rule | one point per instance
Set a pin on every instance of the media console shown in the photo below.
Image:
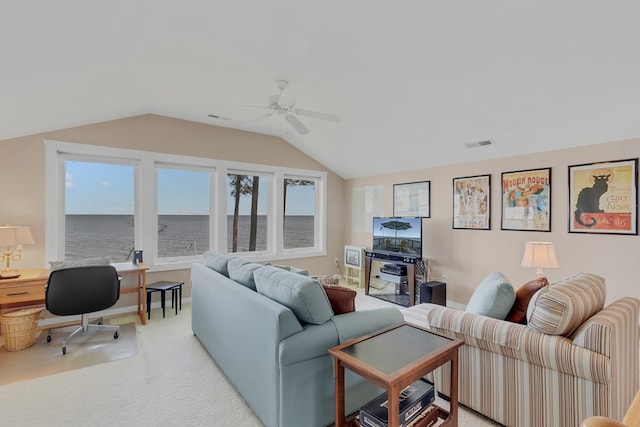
(409, 261)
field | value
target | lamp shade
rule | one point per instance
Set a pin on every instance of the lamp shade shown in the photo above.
(539, 255)
(12, 235)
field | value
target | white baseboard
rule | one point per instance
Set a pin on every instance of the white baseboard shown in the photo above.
(105, 313)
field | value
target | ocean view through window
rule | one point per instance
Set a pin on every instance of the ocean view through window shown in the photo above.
(299, 208)
(183, 212)
(107, 202)
(98, 198)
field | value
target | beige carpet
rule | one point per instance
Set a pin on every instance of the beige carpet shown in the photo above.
(86, 349)
(172, 381)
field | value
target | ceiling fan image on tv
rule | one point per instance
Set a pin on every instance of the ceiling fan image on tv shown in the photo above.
(283, 104)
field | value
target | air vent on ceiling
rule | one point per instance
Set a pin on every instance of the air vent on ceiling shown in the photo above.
(215, 116)
(479, 144)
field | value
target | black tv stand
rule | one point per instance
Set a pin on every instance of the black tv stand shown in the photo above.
(410, 261)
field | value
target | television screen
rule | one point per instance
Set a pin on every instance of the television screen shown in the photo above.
(398, 234)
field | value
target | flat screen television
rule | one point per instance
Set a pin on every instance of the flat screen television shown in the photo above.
(401, 235)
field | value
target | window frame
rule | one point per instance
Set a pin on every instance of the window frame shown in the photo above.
(146, 200)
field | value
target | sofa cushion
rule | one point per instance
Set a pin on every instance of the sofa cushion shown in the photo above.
(560, 308)
(57, 265)
(301, 294)
(289, 268)
(299, 271)
(493, 297)
(216, 261)
(241, 270)
(518, 313)
(342, 299)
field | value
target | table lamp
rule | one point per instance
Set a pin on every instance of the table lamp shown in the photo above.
(539, 255)
(13, 235)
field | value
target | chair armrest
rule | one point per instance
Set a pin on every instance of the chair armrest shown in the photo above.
(601, 422)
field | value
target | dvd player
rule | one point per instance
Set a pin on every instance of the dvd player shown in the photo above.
(395, 269)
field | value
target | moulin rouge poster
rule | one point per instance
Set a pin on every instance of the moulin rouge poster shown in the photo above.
(526, 200)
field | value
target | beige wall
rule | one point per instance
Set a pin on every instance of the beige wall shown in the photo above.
(466, 256)
(23, 174)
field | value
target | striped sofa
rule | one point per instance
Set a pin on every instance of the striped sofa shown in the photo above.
(573, 360)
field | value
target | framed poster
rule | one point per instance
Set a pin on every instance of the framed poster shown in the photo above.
(603, 197)
(412, 199)
(472, 202)
(526, 200)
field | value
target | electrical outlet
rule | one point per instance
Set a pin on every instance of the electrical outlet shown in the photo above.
(336, 260)
(444, 278)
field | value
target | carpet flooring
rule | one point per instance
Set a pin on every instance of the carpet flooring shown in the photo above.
(171, 381)
(86, 349)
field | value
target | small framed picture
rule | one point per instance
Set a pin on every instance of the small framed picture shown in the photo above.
(603, 197)
(352, 256)
(472, 202)
(526, 200)
(412, 199)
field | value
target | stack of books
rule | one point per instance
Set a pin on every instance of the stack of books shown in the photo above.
(414, 400)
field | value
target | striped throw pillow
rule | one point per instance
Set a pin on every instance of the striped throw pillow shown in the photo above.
(560, 308)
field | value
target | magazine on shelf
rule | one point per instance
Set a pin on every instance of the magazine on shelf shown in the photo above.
(413, 400)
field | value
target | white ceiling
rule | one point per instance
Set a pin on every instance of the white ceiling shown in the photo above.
(413, 81)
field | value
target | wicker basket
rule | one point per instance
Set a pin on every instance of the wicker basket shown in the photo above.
(19, 328)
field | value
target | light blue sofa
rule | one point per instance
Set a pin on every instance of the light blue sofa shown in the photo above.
(278, 363)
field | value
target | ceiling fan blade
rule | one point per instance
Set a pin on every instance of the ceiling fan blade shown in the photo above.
(296, 124)
(317, 115)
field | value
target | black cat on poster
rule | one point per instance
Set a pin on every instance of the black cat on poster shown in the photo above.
(589, 199)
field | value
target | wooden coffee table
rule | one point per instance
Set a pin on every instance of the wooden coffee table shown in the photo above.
(393, 359)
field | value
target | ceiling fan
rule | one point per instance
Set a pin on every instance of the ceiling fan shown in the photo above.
(283, 104)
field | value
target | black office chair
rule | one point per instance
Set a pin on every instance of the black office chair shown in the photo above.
(83, 290)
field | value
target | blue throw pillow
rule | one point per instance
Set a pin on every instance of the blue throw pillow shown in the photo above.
(216, 261)
(241, 271)
(493, 297)
(301, 294)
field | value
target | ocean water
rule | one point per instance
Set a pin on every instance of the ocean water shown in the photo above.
(178, 235)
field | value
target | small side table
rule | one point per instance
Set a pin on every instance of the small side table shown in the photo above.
(162, 287)
(393, 359)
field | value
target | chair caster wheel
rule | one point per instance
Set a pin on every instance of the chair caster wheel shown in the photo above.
(116, 335)
(64, 350)
(49, 338)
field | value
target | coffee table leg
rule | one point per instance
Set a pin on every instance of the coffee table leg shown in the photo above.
(339, 377)
(393, 408)
(453, 408)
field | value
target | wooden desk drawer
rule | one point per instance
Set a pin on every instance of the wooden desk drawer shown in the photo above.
(12, 294)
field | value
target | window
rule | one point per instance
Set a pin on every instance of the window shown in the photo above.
(299, 213)
(104, 201)
(183, 212)
(247, 212)
(99, 208)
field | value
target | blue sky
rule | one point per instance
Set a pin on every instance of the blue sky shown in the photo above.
(99, 188)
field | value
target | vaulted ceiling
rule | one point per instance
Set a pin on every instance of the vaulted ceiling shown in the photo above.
(413, 81)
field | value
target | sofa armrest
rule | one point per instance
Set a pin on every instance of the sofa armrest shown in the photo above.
(363, 322)
(614, 332)
(513, 340)
(599, 332)
(315, 340)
